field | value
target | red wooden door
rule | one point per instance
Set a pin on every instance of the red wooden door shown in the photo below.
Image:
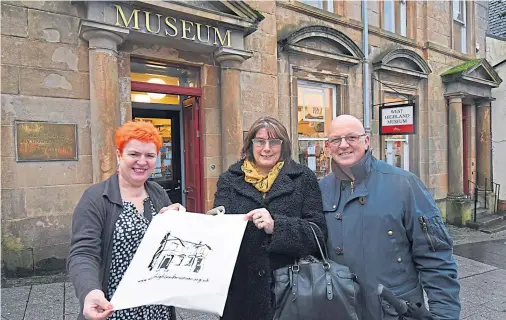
(465, 148)
(191, 151)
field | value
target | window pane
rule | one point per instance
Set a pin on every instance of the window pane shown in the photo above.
(463, 34)
(314, 110)
(403, 22)
(150, 97)
(389, 15)
(146, 71)
(330, 5)
(316, 105)
(459, 10)
(314, 3)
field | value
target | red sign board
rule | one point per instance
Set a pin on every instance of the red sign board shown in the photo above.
(397, 119)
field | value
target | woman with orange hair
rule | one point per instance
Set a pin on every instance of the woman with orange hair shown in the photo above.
(109, 223)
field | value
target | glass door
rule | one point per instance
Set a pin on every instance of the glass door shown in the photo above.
(167, 170)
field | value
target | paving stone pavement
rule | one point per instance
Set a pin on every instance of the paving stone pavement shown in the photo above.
(57, 301)
(483, 290)
(483, 297)
(467, 235)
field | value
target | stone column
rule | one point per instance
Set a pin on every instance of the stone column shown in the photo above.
(455, 148)
(458, 207)
(231, 104)
(104, 94)
(483, 145)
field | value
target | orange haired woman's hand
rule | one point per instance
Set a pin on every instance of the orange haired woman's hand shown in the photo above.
(173, 207)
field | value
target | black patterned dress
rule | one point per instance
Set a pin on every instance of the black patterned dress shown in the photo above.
(129, 231)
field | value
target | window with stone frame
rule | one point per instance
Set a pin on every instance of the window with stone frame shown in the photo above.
(460, 17)
(395, 16)
(334, 6)
(316, 108)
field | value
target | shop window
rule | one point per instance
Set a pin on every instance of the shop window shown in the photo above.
(316, 108)
(460, 32)
(395, 16)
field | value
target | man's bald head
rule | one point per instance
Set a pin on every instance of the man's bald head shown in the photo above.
(347, 140)
(347, 121)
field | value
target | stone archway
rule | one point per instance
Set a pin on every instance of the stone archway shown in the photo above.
(335, 45)
(402, 61)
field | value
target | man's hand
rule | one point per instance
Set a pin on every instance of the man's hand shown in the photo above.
(262, 219)
(173, 207)
(96, 306)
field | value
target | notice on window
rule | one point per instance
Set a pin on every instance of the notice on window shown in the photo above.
(185, 260)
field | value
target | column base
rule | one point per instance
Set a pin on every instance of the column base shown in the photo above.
(458, 210)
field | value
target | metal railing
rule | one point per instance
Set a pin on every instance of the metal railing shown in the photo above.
(489, 185)
(497, 189)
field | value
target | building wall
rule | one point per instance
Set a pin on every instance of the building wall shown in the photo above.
(45, 77)
(496, 53)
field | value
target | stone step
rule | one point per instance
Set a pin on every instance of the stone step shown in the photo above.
(486, 220)
(494, 228)
(481, 211)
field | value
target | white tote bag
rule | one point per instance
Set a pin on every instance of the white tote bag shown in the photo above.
(185, 260)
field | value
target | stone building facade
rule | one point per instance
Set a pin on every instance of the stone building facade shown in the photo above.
(204, 71)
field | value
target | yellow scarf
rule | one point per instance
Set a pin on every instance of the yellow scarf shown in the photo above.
(261, 182)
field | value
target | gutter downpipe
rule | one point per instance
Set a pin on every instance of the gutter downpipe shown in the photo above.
(365, 68)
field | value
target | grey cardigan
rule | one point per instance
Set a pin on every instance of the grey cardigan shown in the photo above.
(93, 225)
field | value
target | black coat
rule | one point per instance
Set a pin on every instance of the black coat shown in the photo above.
(293, 201)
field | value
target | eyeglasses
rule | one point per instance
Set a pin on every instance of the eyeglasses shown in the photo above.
(263, 142)
(351, 139)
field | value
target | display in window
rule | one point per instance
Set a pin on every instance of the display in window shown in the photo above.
(315, 155)
(316, 107)
(164, 165)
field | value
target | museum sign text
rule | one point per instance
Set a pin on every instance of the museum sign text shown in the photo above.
(148, 22)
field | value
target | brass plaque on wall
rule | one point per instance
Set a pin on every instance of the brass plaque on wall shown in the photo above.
(45, 141)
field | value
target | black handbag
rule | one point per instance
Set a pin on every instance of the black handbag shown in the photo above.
(318, 290)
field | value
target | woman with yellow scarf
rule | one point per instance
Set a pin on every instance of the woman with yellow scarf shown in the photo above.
(279, 197)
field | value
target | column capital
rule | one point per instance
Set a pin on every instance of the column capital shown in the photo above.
(484, 102)
(456, 97)
(101, 35)
(231, 58)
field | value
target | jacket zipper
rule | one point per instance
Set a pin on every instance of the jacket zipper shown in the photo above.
(423, 224)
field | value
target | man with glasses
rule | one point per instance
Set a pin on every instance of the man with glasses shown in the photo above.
(384, 225)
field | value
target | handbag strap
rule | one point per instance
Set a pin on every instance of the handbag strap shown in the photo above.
(295, 267)
(323, 251)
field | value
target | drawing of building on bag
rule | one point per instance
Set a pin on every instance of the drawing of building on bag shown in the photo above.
(174, 253)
